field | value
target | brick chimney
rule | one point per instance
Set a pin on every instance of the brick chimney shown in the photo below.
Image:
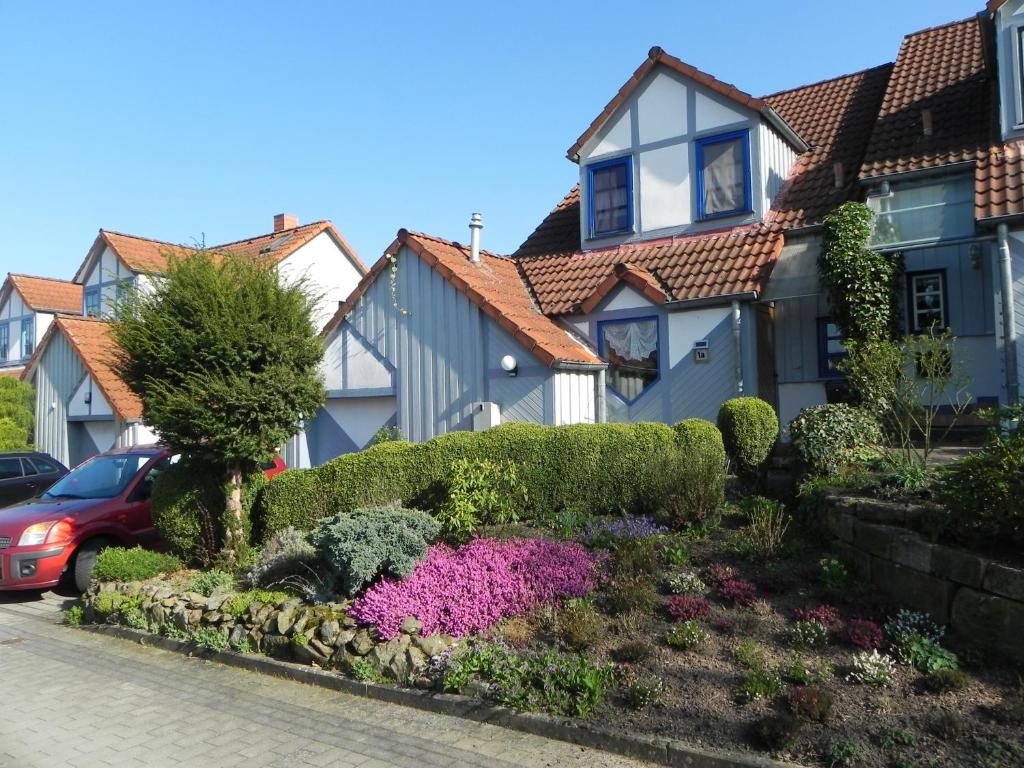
(285, 221)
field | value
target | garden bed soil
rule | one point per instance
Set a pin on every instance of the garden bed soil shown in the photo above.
(699, 704)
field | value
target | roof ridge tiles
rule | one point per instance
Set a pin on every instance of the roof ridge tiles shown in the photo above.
(277, 233)
(40, 277)
(147, 239)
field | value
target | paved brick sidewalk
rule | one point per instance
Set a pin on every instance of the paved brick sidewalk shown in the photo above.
(71, 698)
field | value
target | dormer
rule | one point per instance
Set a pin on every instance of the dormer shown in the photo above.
(679, 152)
(1009, 33)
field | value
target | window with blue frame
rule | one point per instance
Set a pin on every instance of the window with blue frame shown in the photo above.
(830, 349)
(124, 287)
(610, 192)
(723, 175)
(5, 341)
(92, 302)
(631, 349)
(28, 336)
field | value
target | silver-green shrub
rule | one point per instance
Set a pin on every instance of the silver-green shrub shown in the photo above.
(368, 543)
(287, 553)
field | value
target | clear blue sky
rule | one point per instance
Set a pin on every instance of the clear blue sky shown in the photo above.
(171, 120)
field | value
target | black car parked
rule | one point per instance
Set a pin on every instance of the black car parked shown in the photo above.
(26, 474)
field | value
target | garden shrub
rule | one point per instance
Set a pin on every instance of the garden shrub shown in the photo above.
(568, 685)
(749, 429)
(758, 684)
(188, 508)
(945, 680)
(690, 477)
(688, 607)
(777, 731)
(863, 633)
(208, 582)
(984, 492)
(579, 625)
(593, 468)
(738, 592)
(359, 547)
(642, 690)
(807, 634)
(827, 437)
(625, 594)
(632, 651)
(768, 522)
(135, 564)
(686, 635)
(874, 669)
(479, 492)
(458, 592)
(636, 557)
(686, 583)
(287, 553)
(825, 615)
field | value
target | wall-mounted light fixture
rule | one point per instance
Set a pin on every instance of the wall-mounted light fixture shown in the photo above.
(509, 365)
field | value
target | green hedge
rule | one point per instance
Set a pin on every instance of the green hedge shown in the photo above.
(700, 436)
(135, 564)
(749, 428)
(188, 508)
(597, 468)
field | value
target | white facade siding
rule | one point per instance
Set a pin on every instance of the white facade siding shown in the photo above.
(331, 274)
(573, 397)
(13, 312)
(776, 159)
(88, 401)
(103, 275)
(56, 376)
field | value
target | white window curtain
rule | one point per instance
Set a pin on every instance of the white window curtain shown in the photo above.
(723, 177)
(632, 341)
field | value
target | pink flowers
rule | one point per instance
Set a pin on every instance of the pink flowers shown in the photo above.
(863, 633)
(687, 607)
(461, 591)
(825, 615)
(738, 592)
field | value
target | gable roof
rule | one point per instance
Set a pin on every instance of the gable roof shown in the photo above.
(145, 255)
(836, 117)
(700, 266)
(635, 277)
(46, 294)
(494, 285)
(90, 338)
(944, 71)
(657, 57)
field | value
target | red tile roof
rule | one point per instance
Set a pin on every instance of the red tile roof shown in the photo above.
(142, 254)
(45, 294)
(999, 182)
(494, 285)
(943, 72)
(560, 230)
(626, 274)
(700, 266)
(91, 340)
(655, 57)
(835, 117)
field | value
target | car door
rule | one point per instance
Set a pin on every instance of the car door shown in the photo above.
(31, 480)
(135, 515)
(10, 480)
(48, 472)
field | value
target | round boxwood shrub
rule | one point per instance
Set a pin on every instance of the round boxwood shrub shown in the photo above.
(749, 429)
(188, 508)
(700, 436)
(828, 436)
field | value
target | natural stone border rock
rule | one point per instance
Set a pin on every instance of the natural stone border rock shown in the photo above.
(982, 601)
(652, 749)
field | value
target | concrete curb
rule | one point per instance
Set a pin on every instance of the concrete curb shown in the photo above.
(652, 749)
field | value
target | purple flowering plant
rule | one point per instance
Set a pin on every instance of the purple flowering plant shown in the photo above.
(464, 591)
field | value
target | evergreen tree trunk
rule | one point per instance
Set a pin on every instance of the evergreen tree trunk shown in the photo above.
(235, 544)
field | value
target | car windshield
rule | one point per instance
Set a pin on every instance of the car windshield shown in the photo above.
(102, 477)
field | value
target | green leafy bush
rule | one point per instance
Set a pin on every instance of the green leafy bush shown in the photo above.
(687, 635)
(768, 522)
(642, 690)
(287, 553)
(367, 543)
(74, 615)
(479, 492)
(188, 508)
(135, 564)
(826, 437)
(749, 429)
(211, 638)
(17, 403)
(594, 468)
(844, 754)
(984, 492)
(758, 684)
(690, 477)
(208, 582)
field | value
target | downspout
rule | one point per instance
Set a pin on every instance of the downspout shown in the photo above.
(737, 336)
(600, 402)
(1009, 320)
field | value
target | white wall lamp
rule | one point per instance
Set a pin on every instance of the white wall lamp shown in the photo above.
(509, 365)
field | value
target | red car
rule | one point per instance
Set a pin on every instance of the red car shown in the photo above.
(102, 501)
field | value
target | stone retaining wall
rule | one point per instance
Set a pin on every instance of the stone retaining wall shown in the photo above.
(982, 601)
(324, 635)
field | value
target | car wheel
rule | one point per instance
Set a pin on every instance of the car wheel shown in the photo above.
(85, 560)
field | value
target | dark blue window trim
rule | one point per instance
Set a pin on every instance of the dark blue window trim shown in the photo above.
(747, 206)
(628, 163)
(825, 371)
(92, 296)
(600, 351)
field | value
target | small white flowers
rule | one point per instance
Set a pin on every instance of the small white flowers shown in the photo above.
(686, 582)
(875, 669)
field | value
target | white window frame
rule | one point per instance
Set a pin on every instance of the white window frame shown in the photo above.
(913, 293)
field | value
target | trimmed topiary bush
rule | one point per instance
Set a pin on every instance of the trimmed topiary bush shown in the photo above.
(368, 543)
(593, 468)
(135, 564)
(188, 508)
(749, 429)
(826, 437)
